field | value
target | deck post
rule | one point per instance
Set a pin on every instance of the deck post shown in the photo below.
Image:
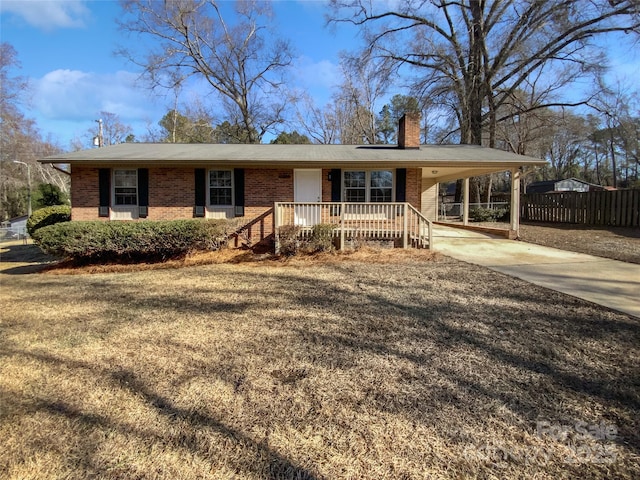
(465, 203)
(342, 233)
(405, 227)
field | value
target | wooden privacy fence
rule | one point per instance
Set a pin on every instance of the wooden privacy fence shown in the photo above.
(620, 208)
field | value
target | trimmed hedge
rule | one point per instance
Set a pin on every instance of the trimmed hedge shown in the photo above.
(131, 241)
(48, 216)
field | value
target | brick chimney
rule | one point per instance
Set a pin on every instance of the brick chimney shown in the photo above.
(409, 131)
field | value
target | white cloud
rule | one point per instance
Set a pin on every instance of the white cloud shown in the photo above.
(320, 74)
(76, 95)
(66, 103)
(49, 14)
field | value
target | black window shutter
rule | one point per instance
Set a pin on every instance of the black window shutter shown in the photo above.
(401, 184)
(336, 184)
(104, 185)
(143, 192)
(200, 189)
(238, 184)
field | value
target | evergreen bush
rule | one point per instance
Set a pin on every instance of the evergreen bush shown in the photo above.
(321, 238)
(48, 216)
(482, 214)
(131, 241)
(289, 241)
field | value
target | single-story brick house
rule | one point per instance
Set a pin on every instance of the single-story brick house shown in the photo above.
(135, 181)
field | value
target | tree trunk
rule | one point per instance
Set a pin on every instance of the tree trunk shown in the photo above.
(475, 78)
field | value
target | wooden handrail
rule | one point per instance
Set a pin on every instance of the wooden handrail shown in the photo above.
(399, 221)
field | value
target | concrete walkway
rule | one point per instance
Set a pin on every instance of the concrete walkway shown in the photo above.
(610, 283)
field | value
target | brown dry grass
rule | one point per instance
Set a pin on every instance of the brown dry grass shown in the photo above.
(315, 368)
(617, 243)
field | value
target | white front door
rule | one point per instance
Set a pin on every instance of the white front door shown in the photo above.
(307, 188)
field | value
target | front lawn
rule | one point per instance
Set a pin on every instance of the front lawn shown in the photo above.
(367, 369)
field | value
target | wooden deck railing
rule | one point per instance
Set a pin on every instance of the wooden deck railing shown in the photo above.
(370, 221)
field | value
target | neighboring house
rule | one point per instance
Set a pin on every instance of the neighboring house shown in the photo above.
(19, 223)
(566, 185)
(13, 229)
(134, 181)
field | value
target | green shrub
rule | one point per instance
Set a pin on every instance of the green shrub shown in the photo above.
(48, 216)
(47, 195)
(321, 238)
(131, 241)
(482, 214)
(292, 243)
(289, 241)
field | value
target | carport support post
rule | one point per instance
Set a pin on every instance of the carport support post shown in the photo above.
(465, 202)
(276, 226)
(515, 204)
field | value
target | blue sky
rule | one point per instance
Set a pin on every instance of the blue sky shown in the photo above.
(66, 51)
(66, 47)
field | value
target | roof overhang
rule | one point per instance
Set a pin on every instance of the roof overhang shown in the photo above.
(444, 162)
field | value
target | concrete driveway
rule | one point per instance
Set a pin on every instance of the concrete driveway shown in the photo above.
(610, 283)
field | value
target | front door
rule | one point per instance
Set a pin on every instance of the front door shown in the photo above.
(307, 188)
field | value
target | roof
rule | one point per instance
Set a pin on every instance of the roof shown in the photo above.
(548, 186)
(446, 158)
(287, 154)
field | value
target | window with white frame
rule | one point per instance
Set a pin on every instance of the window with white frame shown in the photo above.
(220, 187)
(368, 186)
(381, 186)
(125, 187)
(355, 186)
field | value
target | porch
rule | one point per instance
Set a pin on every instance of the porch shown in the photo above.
(397, 222)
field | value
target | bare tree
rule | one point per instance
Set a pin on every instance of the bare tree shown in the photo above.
(565, 145)
(366, 80)
(473, 55)
(238, 59)
(20, 140)
(620, 133)
(113, 130)
(318, 123)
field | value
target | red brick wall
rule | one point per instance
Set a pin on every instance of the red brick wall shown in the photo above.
(171, 194)
(409, 131)
(85, 198)
(262, 188)
(414, 187)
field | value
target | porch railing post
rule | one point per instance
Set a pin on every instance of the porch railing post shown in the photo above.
(342, 205)
(405, 228)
